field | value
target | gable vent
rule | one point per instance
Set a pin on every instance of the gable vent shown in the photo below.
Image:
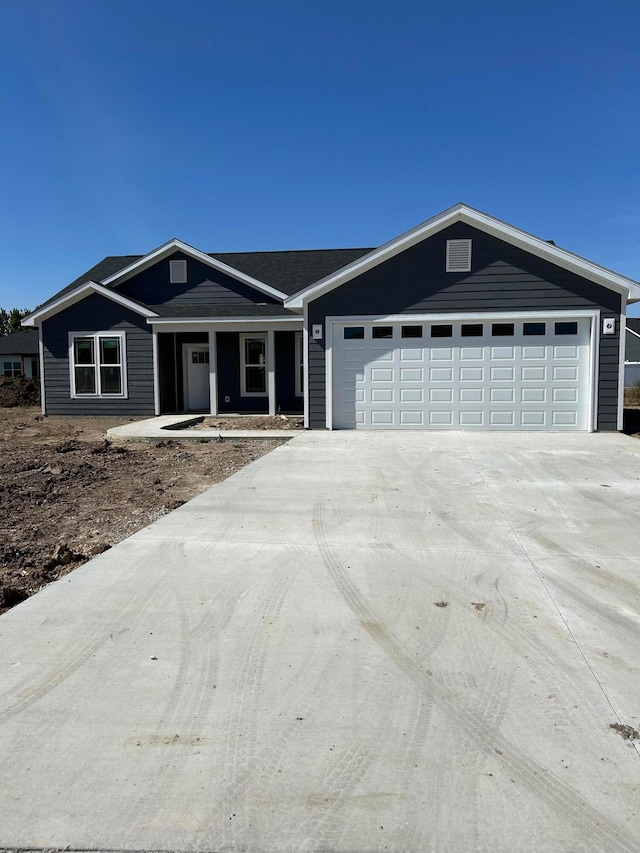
(178, 272)
(458, 255)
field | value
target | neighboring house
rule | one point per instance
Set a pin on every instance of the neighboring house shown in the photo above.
(19, 354)
(632, 352)
(464, 322)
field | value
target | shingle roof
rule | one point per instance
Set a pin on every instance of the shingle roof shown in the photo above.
(24, 342)
(288, 271)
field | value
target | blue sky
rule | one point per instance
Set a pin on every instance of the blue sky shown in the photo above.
(253, 126)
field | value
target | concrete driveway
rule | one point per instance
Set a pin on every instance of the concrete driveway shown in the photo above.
(382, 641)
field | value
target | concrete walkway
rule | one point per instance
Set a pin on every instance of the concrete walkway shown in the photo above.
(175, 427)
(360, 642)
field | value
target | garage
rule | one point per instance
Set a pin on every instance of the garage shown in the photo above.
(503, 372)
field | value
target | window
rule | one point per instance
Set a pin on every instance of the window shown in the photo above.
(458, 256)
(471, 330)
(412, 331)
(502, 330)
(351, 332)
(11, 368)
(96, 362)
(178, 272)
(566, 328)
(382, 332)
(534, 328)
(253, 365)
(299, 364)
(442, 331)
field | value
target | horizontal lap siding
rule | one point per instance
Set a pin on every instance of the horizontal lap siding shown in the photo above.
(97, 314)
(503, 278)
(205, 286)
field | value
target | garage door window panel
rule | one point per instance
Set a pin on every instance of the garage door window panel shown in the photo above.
(441, 331)
(472, 330)
(566, 328)
(534, 329)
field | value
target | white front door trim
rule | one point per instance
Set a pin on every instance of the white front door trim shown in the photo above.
(187, 350)
(485, 316)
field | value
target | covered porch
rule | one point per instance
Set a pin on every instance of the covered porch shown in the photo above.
(222, 369)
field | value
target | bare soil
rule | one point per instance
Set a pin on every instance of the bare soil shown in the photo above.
(236, 422)
(66, 493)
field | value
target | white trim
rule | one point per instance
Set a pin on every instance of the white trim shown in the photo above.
(305, 356)
(484, 222)
(631, 331)
(243, 364)
(594, 370)
(328, 369)
(622, 351)
(271, 371)
(466, 267)
(156, 372)
(122, 337)
(485, 316)
(43, 399)
(299, 363)
(223, 321)
(172, 246)
(81, 292)
(186, 361)
(213, 372)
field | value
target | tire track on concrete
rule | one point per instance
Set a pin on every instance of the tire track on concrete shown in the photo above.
(552, 791)
(240, 754)
(83, 652)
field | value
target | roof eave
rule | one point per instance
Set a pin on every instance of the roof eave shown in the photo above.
(77, 295)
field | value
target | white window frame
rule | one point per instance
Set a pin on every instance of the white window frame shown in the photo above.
(96, 349)
(299, 365)
(177, 272)
(243, 364)
(458, 245)
(12, 369)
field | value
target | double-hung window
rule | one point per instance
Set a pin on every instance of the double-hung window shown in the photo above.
(97, 364)
(253, 368)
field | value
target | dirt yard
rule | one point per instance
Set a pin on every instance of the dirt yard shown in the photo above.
(261, 422)
(67, 494)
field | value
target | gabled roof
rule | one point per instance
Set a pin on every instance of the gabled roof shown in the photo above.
(81, 292)
(172, 246)
(24, 342)
(484, 222)
(286, 271)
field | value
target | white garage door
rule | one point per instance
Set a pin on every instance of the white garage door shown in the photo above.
(523, 374)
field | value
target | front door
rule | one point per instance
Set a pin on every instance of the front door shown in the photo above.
(196, 377)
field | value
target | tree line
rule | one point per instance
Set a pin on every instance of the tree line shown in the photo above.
(10, 320)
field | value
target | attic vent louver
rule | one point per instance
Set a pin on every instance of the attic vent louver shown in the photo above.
(458, 255)
(178, 272)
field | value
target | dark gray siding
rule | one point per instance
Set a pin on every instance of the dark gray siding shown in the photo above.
(205, 285)
(97, 314)
(286, 400)
(503, 278)
(228, 363)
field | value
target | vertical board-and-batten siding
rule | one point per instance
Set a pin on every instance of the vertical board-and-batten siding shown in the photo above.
(502, 278)
(97, 314)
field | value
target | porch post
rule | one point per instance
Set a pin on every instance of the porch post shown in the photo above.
(271, 371)
(213, 373)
